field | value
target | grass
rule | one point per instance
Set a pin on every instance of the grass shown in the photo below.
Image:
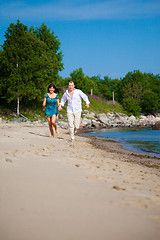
(100, 105)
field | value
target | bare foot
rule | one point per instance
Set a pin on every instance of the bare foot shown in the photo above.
(52, 136)
(57, 133)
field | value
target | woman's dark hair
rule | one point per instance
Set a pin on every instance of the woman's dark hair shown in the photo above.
(52, 85)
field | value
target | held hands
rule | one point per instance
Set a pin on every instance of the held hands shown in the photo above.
(59, 108)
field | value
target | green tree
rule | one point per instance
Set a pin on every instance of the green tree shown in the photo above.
(131, 106)
(134, 85)
(98, 86)
(110, 86)
(27, 62)
(77, 76)
(54, 56)
(85, 83)
(132, 89)
(150, 103)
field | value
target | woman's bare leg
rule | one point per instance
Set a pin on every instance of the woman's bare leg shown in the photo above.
(49, 119)
(54, 117)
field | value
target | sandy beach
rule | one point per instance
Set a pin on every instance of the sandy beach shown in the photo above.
(53, 189)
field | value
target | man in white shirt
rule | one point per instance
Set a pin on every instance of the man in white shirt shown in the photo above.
(74, 97)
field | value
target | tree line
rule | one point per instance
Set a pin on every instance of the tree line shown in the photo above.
(30, 59)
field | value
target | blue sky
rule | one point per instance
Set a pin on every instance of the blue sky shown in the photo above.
(104, 37)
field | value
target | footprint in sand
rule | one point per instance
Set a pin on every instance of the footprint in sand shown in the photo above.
(82, 165)
(77, 165)
(8, 160)
(118, 188)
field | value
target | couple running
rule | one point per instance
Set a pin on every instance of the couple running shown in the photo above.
(53, 105)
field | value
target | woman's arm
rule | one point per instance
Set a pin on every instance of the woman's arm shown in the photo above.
(57, 102)
(44, 102)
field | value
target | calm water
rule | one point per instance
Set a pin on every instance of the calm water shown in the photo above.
(139, 140)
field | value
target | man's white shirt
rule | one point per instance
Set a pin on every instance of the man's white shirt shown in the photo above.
(74, 103)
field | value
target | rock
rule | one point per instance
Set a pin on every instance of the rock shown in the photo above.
(86, 121)
(102, 117)
(35, 123)
(96, 124)
(90, 115)
(143, 117)
(85, 111)
(118, 121)
(132, 118)
(63, 124)
(110, 114)
(150, 117)
(156, 126)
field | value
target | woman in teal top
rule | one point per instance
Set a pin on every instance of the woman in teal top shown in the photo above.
(51, 101)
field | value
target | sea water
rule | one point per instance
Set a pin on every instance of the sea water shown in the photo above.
(146, 141)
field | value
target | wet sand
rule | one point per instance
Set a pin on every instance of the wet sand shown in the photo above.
(125, 155)
(89, 189)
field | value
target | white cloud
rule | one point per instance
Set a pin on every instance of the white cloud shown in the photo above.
(87, 10)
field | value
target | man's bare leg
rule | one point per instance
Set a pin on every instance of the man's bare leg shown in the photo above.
(75, 130)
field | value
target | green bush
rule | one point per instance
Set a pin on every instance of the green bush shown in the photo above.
(101, 105)
(131, 106)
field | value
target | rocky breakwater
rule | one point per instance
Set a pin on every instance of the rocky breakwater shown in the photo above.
(102, 120)
(98, 121)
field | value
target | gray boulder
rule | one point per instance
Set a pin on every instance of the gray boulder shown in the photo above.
(156, 126)
(102, 117)
(96, 124)
(86, 121)
(63, 124)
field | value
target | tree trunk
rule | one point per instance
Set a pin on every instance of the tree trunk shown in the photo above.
(18, 106)
(18, 95)
(113, 97)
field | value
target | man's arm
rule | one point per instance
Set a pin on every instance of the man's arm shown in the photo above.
(63, 101)
(85, 98)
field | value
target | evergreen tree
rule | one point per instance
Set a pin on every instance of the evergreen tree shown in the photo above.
(29, 61)
(134, 85)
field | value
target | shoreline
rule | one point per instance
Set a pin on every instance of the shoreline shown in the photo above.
(102, 143)
(115, 147)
